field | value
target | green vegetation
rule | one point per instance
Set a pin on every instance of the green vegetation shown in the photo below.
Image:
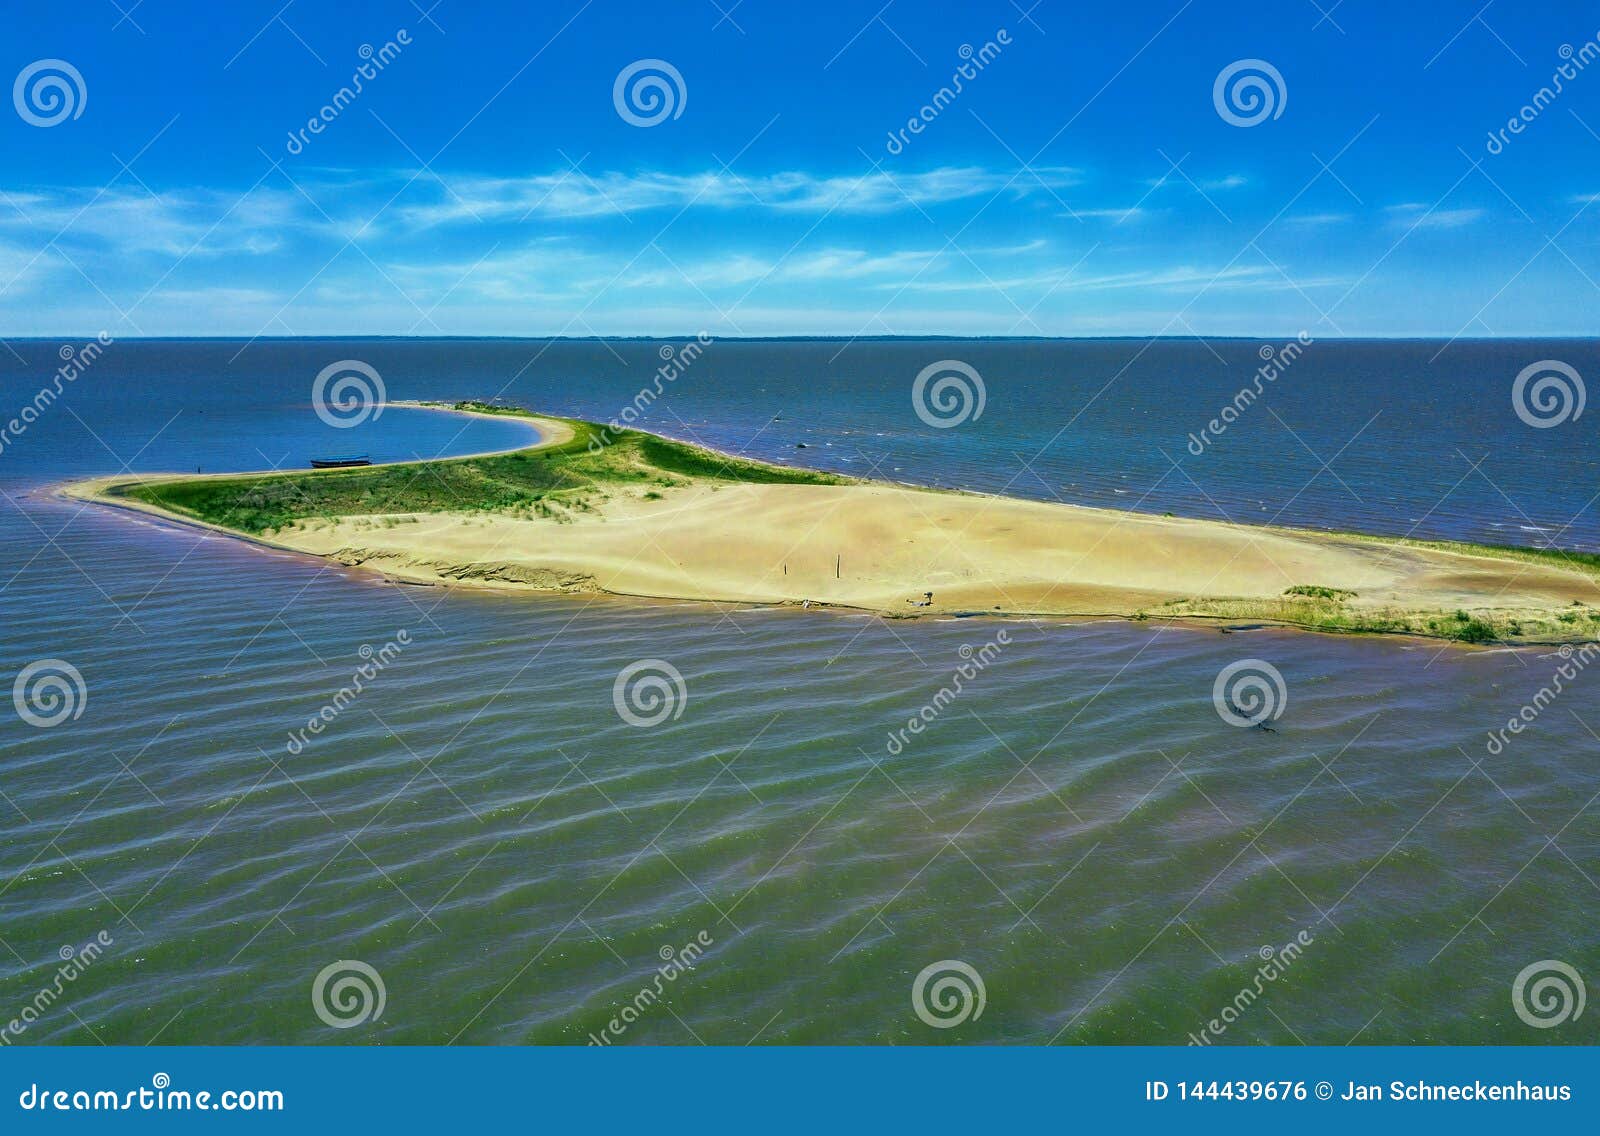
(1336, 617)
(1318, 592)
(551, 482)
(692, 461)
(1476, 631)
(1586, 562)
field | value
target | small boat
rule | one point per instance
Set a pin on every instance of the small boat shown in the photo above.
(340, 463)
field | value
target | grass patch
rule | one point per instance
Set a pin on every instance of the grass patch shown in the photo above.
(692, 461)
(1315, 614)
(1475, 631)
(539, 482)
(1318, 592)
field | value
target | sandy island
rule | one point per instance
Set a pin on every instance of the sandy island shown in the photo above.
(589, 510)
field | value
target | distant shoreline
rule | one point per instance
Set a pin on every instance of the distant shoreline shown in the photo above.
(1261, 337)
(645, 516)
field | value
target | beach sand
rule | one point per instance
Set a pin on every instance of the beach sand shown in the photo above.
(881, 547)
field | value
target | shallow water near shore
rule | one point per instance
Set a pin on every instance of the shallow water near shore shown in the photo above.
(485, 830)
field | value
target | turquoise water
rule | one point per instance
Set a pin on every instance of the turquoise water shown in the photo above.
(510, 857)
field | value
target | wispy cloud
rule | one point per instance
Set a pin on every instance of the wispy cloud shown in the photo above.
(1413, 214)
(1209, 185)
(787, 249)
(576, 194)
(1180, 278)
(822, 265)
(20, 268)
(554, 268)
(175, 223)
(1129, 213)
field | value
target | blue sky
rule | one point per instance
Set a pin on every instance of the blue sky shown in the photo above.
(1083, 181)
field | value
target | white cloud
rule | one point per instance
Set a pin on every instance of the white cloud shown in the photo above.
(1131, 213)
(553, 268)
(19, 268)
(1179, 278)
(547, 269)
(575, 194)
(1414, 215)
(1177, 177)
(175, 223)
(820, 266)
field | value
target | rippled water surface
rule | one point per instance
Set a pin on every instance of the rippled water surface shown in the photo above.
(1079, 827)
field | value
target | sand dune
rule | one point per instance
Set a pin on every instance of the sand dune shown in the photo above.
(881, 547)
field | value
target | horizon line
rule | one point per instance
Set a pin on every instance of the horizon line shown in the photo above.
(835, 338)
